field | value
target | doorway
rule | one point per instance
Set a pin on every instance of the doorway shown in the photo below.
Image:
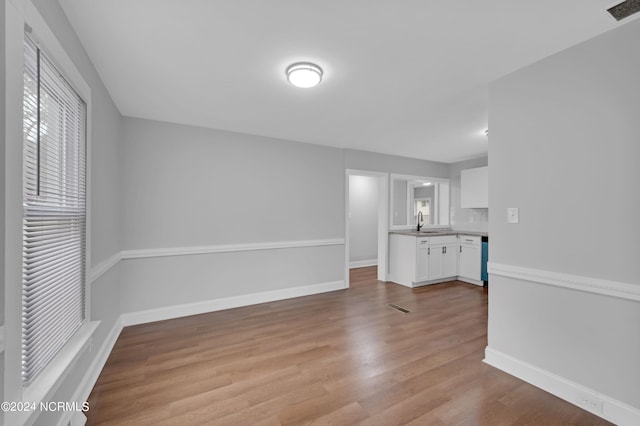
(366, 216)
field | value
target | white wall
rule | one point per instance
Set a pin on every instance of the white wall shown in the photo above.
(186, 191)
(363, 220)
(104, 218)
(466, 219)
(190, 186)
(399, 202)
(372, 161)
(562, 130)
(193, 187)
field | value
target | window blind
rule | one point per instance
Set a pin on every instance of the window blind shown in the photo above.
(54, 215)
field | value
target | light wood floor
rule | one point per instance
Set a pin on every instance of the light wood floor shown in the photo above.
(340, 358)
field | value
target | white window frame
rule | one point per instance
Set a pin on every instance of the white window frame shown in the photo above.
(438, 211)
(415, 208)
(19, 15)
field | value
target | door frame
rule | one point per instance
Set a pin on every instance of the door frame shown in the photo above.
(383, 221)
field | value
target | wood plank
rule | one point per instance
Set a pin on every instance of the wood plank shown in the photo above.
(343, 357)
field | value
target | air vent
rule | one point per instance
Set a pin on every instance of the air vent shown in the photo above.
(399, 308)
(624, 9)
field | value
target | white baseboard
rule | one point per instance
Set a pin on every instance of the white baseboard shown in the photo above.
(363, 263)
(470, 280)
(610, 409)
(177, 311)
(91, 376)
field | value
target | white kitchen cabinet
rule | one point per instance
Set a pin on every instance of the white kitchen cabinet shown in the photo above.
(403, 259)
(474, 188)
(470, 259)
(442, 257)
(415, 261)
(422, 251)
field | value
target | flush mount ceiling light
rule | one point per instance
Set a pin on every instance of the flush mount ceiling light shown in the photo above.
(304, 74)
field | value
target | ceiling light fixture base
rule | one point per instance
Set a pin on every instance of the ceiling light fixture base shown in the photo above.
(304, 74)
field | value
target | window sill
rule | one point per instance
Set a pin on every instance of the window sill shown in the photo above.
(51, 377)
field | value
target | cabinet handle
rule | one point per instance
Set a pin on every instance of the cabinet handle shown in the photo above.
(429, 251)
(460, 249)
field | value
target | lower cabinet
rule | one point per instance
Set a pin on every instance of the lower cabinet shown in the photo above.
(442, 257)
(470, 259)
(423, 252)
(415, 261)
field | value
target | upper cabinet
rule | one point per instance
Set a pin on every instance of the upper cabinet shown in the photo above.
(474, 188)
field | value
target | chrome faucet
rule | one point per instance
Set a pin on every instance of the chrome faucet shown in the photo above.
(420, 219)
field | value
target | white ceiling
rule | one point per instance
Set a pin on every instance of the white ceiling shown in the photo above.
(403, 77)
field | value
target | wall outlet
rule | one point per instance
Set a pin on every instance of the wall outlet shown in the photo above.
(513, 215)
(590, 403)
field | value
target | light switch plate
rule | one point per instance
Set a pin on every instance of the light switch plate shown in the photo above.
(512, 215)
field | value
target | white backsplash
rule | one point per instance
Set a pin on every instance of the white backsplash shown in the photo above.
(470, 219)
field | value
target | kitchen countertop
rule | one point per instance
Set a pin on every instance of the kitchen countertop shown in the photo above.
(438, 232)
